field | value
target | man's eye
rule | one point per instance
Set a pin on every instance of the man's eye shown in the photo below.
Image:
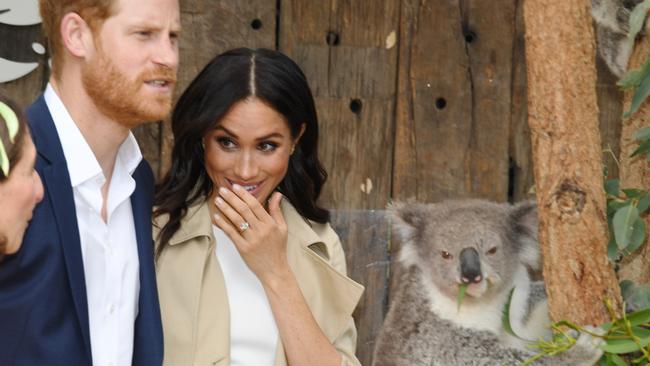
(144, 34)
(268, 146)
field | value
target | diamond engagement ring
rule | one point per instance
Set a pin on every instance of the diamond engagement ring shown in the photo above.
(243, 226)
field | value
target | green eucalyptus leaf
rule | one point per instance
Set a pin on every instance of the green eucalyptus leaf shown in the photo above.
(643, 148)
(642, 316)
(613, 206)
(640, 95)
(633, 192)
(616, 360)
(623, 223)
(619, 346)
(633, 78)
(643, 134)
(637, 20)
(462, 288)
(613, 187)
(644, 203)
(612, 249)
(505, 318)
(638, 236)
(626, 285)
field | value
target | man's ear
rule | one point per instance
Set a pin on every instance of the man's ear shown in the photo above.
(76, 35)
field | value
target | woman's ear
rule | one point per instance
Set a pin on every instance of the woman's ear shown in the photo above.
(75, 34)
(303, 127)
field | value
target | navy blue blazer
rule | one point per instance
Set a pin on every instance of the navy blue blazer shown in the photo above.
(43, 305)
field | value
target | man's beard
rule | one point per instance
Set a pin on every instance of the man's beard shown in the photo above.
(124, 100)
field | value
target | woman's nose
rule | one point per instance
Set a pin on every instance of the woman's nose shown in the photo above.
(246, 167)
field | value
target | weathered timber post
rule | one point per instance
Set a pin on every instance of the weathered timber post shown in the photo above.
(563, 118)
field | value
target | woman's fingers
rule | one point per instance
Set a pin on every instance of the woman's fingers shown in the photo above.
(229, 200)
(233, 215)
(274, 208)
(253, 204)
(230, 229)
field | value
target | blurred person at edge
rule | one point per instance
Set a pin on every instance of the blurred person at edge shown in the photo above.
(82, 289)
(250, 272)
(20, 186)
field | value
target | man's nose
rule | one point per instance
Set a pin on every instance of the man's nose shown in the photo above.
(167, 52)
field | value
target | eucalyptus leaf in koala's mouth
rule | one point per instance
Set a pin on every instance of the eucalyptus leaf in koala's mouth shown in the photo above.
(462, 288)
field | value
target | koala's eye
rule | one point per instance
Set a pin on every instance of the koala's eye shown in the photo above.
(445, 254)
(492, 250)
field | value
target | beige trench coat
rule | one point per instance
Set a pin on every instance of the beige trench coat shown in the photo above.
(193, 298)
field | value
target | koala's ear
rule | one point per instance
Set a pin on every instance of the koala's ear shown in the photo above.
(407, 217)
(525, 224)
(524, 216)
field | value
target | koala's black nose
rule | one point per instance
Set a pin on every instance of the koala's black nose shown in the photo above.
(470, 266)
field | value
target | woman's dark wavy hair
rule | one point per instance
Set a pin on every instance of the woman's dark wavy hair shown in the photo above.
(231, 77)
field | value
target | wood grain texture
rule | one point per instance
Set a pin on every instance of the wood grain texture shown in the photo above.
(563, 117)
(353, 81)
(635, 171)
(348, 51)
(211, 27)
(454, 100)
(522, 182)
(367, 229)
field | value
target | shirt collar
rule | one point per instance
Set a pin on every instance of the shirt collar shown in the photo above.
(81, 161)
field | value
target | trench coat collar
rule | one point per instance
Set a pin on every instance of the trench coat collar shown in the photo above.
(196, 223)
(308, 248)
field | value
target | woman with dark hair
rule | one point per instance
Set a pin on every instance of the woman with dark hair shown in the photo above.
(249, 270)
(20, 186)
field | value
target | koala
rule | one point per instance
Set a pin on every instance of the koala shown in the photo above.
(491, 248)
(612, 19)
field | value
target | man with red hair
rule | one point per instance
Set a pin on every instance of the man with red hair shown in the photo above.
(82, 290)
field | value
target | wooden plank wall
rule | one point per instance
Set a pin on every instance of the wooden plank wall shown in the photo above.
(417, 99)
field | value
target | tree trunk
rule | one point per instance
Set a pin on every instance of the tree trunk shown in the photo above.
(563, 118)
(635, 172)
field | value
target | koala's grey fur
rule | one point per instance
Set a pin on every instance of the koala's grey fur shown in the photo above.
(424, 326)
(612, 19)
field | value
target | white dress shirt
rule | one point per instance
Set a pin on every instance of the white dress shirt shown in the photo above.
(253, 333)
(109, 249)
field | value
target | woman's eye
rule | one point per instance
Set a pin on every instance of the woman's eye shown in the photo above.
(226, 143)
(267, 146)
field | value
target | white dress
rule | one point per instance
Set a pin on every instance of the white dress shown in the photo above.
(253, 333)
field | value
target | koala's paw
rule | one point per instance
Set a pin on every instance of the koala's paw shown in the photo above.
(587, 349)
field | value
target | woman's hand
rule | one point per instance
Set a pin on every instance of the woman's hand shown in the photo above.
(262, 242)
(263, 246)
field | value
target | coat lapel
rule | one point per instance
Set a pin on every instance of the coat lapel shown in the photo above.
(57, 182)
(330, 294)
(192, 277)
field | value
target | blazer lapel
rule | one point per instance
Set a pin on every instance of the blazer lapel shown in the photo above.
(57, 182)
(148, 344)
